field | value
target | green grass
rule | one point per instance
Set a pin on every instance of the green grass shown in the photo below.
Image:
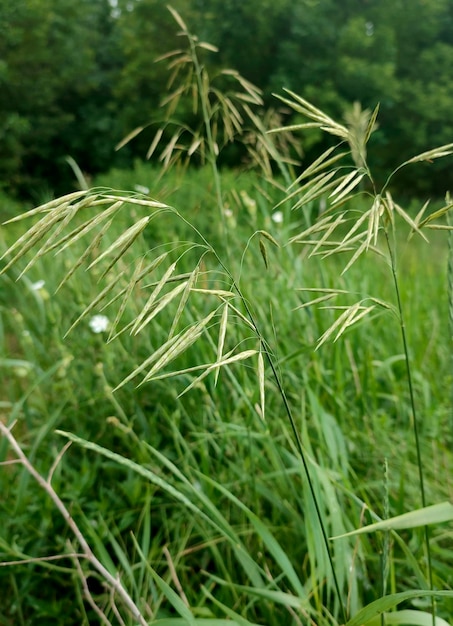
(351, 408)
(217, 506)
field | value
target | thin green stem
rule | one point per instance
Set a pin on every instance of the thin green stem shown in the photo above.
(450, 295)
(287, 407)
(212, 152)
(413, 409)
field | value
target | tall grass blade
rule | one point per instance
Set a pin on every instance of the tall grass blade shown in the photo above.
(435, 514)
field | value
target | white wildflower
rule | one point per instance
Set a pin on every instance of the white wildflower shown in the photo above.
(99, 323)
(277, 217)
(39, 284)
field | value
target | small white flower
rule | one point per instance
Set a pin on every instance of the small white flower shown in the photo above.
(99, 323)
(39, 284)
(277, 217)
(228, 212)
(142, 189)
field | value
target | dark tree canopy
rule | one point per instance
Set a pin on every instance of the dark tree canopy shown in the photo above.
(77, 76)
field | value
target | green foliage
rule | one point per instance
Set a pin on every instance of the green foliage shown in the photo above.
(55, 91)
(232, 427)
(77, 77)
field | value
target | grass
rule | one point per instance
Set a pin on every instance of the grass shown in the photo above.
(209, 494)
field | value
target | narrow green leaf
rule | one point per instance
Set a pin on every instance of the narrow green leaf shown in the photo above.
(408, 617)
(378, 607)
(435, 514)
(235, 618)
(176, 602)
(271, 595)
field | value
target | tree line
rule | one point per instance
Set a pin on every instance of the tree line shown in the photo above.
(76, 77)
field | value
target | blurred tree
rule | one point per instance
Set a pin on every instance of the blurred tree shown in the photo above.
(56, 69)
(76, 77)
(146, 31)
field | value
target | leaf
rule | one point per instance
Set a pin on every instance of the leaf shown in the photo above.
(435, 514)
(378, 607)
(173, 598)
(408, 617)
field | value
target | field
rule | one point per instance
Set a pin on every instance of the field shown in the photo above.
(221, 510)
(212, 376)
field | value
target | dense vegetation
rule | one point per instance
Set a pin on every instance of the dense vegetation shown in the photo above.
(212, 378)
(75, 77)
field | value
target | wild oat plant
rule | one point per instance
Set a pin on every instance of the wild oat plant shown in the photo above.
(190, 303)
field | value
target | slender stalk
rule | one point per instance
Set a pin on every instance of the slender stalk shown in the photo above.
(204, 101)
(450, 296)
(87, 552)
(413, 409)
(292, 421)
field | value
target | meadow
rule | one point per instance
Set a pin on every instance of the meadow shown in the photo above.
(258, 362)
